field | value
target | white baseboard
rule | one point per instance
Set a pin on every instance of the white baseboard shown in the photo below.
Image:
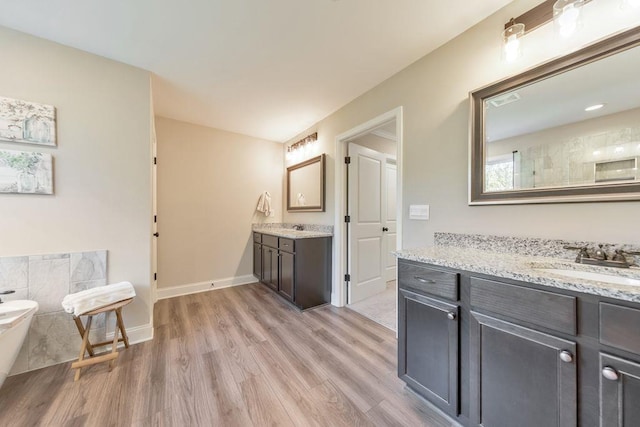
(136, 334)
(193, 288)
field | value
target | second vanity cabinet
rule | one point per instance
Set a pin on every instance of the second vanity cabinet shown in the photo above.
(429, 333)
(299, 270)
(499, 352)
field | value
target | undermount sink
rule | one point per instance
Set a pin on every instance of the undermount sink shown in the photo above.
(590, 275)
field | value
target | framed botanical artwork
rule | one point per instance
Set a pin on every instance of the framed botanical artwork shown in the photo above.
(27, 122)
(25, 172)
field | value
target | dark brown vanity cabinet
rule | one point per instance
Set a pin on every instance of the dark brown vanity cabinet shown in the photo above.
(519, 374)
(619, 377)
(298, 270)
(497, 352)
(520, 377)
(428, 333)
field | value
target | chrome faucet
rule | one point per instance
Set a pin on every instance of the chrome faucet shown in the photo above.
(6, 293)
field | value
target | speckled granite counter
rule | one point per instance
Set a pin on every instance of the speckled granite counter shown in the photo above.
(527, 269)
(287, 231)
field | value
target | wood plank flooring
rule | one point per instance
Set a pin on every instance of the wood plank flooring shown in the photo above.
(234, 357)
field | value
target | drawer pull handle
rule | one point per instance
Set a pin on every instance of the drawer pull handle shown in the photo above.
(566, 356)
(423, 280)
(609, 373)
(451, 315)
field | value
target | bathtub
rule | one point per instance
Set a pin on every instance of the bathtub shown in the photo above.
(15, 318)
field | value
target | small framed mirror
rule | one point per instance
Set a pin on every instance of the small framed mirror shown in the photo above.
(565, 131)
(305, 186)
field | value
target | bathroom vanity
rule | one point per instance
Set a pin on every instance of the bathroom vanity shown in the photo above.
(296, 264)
(506, 339)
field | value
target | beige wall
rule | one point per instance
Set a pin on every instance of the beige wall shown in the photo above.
(209, 182)
(101, 165)
(434, 94)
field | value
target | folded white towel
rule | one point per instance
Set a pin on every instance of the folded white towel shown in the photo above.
(264, 203)
(92, 299)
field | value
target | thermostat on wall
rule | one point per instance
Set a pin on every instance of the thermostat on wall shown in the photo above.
(420, 212)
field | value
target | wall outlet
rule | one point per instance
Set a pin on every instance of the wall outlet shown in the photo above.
(212, 284)
(272, 214)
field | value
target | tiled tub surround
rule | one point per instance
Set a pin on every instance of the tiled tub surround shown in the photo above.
(47, 279)
(522, 259)
(287, 230)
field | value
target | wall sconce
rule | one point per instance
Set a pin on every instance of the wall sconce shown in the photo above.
(302, 148)
(567, 16)
(511, 49)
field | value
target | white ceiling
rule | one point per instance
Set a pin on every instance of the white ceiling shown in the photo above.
(266, 68)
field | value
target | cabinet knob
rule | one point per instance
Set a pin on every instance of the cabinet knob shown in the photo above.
(609, 373)
(566, 356)
(451, 315)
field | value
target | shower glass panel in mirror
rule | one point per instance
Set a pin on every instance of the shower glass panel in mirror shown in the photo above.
(578, 128)
(568, 130)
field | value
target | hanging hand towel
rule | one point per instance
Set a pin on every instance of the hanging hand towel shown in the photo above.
(264, 203)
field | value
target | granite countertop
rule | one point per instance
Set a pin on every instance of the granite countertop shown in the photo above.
(527, 269)
(290, 233)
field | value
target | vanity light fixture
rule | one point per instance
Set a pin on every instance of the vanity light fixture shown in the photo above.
(304, 146)
(594, 107)
(567, 16)
(565, 13)
(511, 49)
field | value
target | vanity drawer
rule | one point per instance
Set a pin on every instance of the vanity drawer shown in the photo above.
(286, 244)
(257, 237)
(620, 327)
(270, 240)
(428, 280)
(542, 308)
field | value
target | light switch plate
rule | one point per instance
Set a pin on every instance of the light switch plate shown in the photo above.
(419, 212)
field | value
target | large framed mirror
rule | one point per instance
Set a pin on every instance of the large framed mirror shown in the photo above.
(305, 186)
(565, 131)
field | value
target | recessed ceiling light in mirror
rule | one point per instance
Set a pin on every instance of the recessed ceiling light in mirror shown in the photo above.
(594, 107)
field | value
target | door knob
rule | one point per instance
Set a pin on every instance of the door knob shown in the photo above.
(566, 356)
(156, 234)
(609, 373)
(385, 229)
(451, 315)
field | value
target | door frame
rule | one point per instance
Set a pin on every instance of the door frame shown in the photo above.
(339, 294)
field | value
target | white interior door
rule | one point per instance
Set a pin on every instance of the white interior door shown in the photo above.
(154, 198)
(390, 235)
(367, 209)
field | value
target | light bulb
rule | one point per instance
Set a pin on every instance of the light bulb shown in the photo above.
(566, 15)
(511, 49)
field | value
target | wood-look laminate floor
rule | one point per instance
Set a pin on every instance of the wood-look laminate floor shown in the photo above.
(234, 357)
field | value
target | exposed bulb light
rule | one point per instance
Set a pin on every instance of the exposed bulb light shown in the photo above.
(619, 149)
(511, 44)
(594, 107)
(596, 153)
(566, 16)
(303, 148)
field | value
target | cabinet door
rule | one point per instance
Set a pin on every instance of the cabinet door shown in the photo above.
(285, 285)
(619, 392)
(428, 340)
(257, 260)
(520, 377)
(270, 267)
